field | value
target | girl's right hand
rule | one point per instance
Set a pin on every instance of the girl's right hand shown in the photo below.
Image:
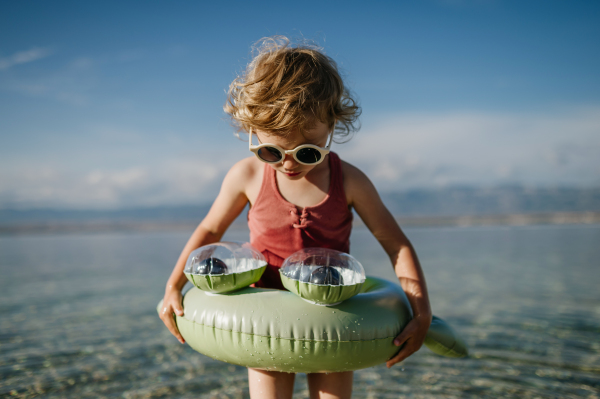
(172, 304)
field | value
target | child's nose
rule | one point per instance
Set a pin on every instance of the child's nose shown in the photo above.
(289, 162)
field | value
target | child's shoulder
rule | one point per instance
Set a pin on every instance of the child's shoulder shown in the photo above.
(245, 175)
(247, 167)
(356, 183)
(352, 174)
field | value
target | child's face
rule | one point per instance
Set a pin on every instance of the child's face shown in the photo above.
(289, 167)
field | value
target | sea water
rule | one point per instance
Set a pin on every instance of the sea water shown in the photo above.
(78, 318)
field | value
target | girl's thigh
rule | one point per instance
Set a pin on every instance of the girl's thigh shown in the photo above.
(270, 384)
(330, 385)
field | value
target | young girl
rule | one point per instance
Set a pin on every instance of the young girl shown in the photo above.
(292, 101)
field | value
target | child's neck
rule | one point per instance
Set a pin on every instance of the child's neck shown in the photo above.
(308, 191)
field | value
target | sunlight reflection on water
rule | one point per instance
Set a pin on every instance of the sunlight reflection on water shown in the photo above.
(78, 317)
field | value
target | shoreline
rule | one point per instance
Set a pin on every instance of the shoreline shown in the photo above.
(100, 226)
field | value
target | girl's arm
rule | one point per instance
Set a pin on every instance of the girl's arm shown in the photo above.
(364, 198)
(227, 206)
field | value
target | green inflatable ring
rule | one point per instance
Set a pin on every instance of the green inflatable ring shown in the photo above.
(276, 330)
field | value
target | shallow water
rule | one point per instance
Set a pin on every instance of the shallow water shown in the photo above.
(78, 317)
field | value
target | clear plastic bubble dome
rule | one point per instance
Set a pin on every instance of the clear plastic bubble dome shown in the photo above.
(322, 266)
(224, 258)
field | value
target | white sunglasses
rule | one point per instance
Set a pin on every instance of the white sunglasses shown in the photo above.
(306, 154)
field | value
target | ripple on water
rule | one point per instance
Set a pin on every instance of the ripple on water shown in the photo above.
(90, 329)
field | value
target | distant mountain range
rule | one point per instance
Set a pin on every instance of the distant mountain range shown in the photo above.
(184, 213)
(454, 201)
(457, 201)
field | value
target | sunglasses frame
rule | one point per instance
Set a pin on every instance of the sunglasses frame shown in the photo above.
(322, 151)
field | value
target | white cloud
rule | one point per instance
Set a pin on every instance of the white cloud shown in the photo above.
(82, 63)
(403, 151)
(23, 57)
(131, 55)
(424, 150)
(70, 85)
(75, 83)
(170, 182)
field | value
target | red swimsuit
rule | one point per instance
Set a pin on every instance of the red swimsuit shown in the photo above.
(278, 228)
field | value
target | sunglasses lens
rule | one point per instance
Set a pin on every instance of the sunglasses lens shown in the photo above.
(308, 155)
(270, 154)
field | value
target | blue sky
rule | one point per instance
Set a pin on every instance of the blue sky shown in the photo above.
(118, 104)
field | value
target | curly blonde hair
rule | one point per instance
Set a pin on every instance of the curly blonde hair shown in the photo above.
(287, 87)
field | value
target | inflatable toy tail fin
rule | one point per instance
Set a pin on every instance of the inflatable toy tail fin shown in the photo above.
(443, 340)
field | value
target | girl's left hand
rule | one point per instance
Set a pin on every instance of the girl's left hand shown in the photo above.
(410, 339)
